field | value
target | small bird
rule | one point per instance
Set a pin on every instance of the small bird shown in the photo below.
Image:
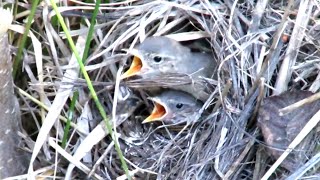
(174, 107)
(162, 56)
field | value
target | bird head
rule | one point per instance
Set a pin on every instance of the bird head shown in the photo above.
(174, 107)
(156, 55)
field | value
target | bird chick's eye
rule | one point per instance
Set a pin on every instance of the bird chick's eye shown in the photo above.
(157, 59)
(179, 105)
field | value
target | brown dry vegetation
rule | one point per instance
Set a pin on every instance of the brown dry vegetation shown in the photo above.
(263, 48)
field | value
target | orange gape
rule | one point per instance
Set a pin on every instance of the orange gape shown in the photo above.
(157, 113)
(134, 69)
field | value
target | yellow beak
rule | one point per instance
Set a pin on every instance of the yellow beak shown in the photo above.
(157, 113)
(134, 69)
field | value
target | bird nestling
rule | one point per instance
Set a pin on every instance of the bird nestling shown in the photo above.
(162, 56)
(174, 107)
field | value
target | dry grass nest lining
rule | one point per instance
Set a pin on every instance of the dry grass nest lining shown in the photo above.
(223, 144)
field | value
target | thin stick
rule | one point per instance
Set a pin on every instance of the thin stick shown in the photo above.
(300, 103)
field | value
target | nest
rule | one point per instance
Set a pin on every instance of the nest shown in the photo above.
(262, 49)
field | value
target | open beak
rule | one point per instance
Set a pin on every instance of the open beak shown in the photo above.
(134, 69)
(137, 66)
(158, 112)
